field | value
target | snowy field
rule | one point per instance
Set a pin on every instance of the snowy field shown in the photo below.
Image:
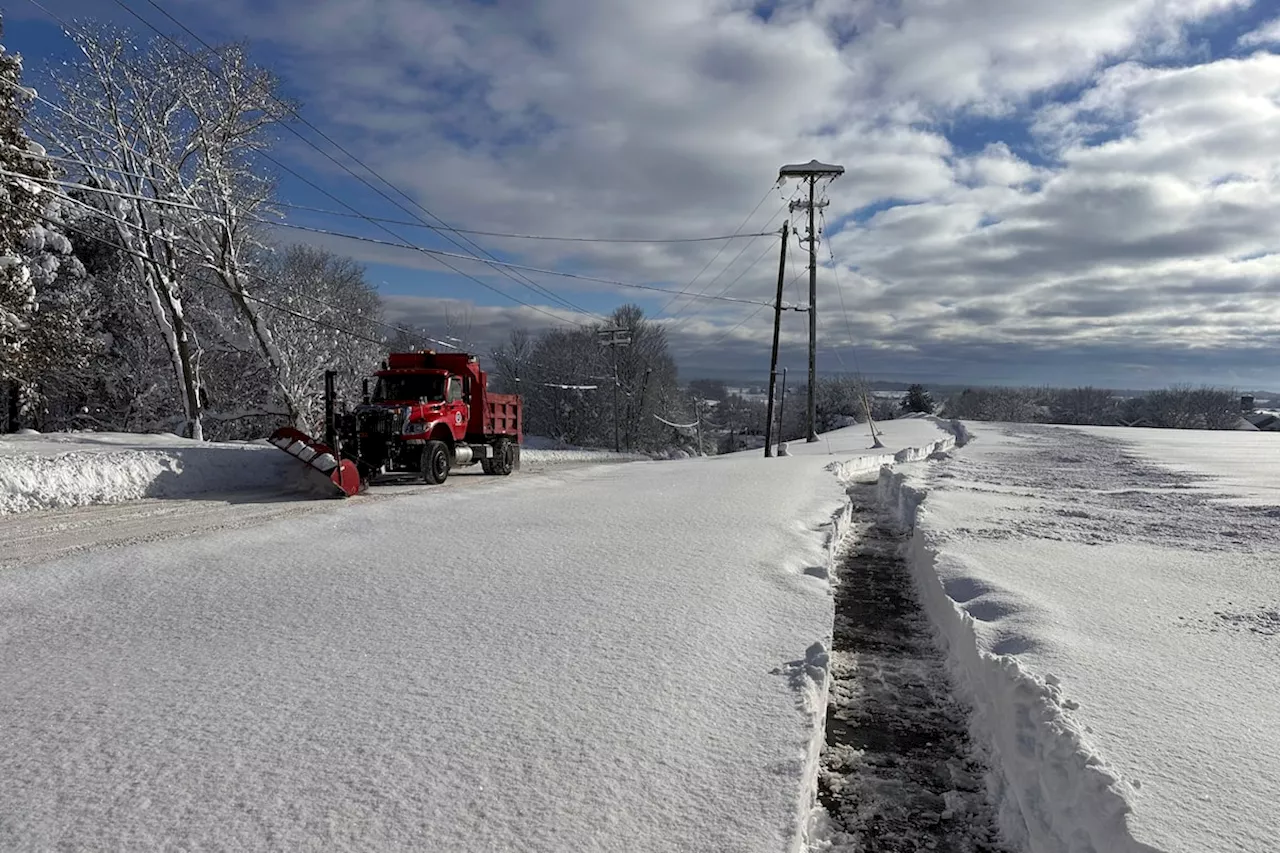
(1111, 602)
(624, 657)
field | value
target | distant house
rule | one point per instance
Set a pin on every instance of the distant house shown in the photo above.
(1264, 421)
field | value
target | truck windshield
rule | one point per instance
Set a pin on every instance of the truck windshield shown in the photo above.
(399, 388)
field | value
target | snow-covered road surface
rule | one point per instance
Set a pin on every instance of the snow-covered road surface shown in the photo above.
(27, 537)
(1108, 596)
(606, 658)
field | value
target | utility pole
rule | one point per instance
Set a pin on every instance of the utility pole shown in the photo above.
(330, 408)
(777, 329)
(811, 172)
(697, 413)
(638, 413)
(782, 407)
(614, 337)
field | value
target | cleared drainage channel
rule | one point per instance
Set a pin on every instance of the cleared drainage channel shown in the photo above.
(897, 771)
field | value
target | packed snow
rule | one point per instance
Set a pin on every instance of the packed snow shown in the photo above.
(1109, 600)
(625, 657)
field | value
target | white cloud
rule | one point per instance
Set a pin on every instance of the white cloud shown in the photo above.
(1119, 224)
(1268, 33)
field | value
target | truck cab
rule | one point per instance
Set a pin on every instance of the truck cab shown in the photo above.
(431, 412)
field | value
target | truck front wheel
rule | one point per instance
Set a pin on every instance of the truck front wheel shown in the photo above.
(435, 462)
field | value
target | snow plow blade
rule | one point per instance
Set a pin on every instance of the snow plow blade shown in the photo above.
(319, 456)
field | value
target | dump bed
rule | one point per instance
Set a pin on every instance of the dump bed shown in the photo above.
(502, 416)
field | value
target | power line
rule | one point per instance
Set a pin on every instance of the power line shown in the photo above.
(435, 253)
(678, 426)
(746, 319)
(265, 155)
(247, 273)
(738, 278)
(103, 214)
(306, 317)
(735, 328)
(316, 320)
(410, 224)
(404, 244)
(848, 324)
(359, 238)
(680, 321)
(714, 257)
(444, 228)
(62, 225)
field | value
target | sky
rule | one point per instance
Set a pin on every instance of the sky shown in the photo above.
(1034, 193)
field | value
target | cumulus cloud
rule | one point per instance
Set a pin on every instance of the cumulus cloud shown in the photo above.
(1268, 33)
(1116, 196)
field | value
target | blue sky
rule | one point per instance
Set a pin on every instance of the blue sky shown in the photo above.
(1066, 193)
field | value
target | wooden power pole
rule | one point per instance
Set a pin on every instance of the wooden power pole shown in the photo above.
(613, 338)
(811, 172)
(777, 329)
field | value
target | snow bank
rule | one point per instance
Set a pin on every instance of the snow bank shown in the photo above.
(1053, 793)
(76, 469)
(57, 470)
(576, 456)
(1107, 598)
(860, 466)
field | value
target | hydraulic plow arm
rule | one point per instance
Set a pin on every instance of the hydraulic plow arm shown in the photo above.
(319, 456)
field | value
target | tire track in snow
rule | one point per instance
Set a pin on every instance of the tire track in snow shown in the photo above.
(42, 535)
(898, 773)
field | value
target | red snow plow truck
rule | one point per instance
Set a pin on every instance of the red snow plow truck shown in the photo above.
(428, 413)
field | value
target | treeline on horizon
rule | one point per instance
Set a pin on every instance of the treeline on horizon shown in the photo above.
(842, 400)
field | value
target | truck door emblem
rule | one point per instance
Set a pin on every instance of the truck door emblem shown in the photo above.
(457, 418)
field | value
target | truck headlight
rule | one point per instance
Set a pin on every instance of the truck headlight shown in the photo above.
(415, 427)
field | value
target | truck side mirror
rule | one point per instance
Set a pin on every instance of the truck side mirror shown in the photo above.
(365, 391)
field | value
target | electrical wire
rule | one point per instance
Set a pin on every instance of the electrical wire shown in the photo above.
(122, 248)
(435, 253)
(714, 257)
(246, 273)
(678, 426)
(64, 226)
(680, 320)
(410, 224)
(526, 282)
(835, 271)
(733, 329)
(751, 316)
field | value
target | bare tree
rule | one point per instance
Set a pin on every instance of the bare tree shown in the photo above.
(1184, 407)
(331, 288)
(167, 139)
(564, 389)
(1087, 405)
(509, 362)
(646, 372)
(1009, 405)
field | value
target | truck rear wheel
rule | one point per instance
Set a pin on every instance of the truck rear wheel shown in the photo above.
(435, 462)
(504, 458)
